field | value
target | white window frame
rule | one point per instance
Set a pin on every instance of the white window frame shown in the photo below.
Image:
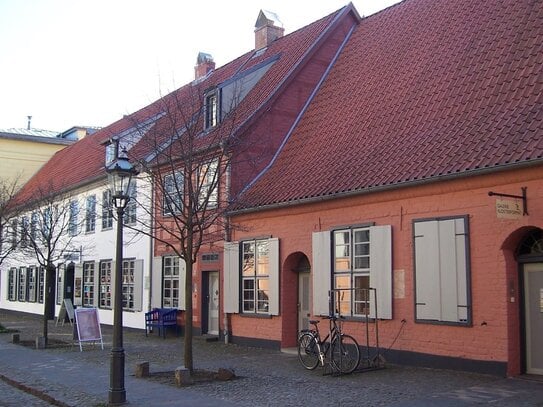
(22, 284)
(172, 198)
(380, 270)
(72, 225)
(208, 184)
(105, 290)
(211, 109)
(107, 210)
(12, 284)
(130, 212)
(442, 270)
(171, 282)
(32, 282)
(89, 284)
(233, 278)
(90, 214)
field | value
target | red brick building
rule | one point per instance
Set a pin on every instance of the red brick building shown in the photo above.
(415, 170)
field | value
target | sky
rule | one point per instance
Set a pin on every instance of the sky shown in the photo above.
(87, 63)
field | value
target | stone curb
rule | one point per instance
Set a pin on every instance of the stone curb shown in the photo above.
(35, 392)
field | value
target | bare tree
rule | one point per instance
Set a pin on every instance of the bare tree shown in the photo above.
(190, 147)
(47, 232)
(9, 239)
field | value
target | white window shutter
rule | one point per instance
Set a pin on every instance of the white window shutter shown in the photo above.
(274, 276)
(78, 274)
(138, 284)
(156, 283)
(381, 270)
(182, 280)
(322, 272)
(96, 299)
(231, 277)
(428, 297)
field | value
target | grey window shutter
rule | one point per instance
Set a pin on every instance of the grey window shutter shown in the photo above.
(381, 270)
(156, 283)
(428, 289)
(447, 269)
(462, 269)
(182, 279)
(321, 272)
(96, 299)
(138, 284)
(78, 274)
(274, 276)
(231, 277)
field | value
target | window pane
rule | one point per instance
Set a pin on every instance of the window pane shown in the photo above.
(362, 236)
(248, 258)
(361, 295)
(263, 257)
(342, 301)
(263, 295)
(362, 263)
(248, 295)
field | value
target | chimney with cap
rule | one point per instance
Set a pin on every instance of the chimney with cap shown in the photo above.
(204, 65)
(268, 28)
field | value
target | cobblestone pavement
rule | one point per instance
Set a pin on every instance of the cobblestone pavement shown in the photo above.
(266, 377)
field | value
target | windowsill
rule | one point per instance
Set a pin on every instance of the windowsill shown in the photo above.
(108, 228)
(90, 232)
(260, 316)
(449, 323)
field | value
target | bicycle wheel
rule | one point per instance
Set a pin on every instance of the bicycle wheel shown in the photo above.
(308, 351)
(345, 353)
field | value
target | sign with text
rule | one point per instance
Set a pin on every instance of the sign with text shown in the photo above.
(508, 209)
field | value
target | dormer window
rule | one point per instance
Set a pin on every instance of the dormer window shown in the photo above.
(111, 152)
(211, 110)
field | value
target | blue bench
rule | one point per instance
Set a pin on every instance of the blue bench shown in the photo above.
(161, 318)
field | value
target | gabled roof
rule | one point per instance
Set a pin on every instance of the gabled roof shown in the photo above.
(424, 90)
(83, 162)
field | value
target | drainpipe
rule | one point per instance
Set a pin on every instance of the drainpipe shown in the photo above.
(227, 238)
(151, 248)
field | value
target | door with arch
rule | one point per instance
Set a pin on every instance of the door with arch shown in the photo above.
(304, 288)
(530, 255)
(533, 309)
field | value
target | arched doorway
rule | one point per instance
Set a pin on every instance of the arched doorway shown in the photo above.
(530, 258)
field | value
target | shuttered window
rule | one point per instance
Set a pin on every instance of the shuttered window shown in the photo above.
(257, 274)
(351, 261)
(442, 278)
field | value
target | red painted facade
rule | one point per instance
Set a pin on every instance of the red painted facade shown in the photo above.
(495, 334)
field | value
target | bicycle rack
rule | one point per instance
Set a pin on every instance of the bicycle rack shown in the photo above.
(371, 357)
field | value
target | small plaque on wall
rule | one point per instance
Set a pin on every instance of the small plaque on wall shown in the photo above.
(508, 209)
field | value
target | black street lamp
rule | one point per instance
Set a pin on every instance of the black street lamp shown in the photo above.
(120, 173)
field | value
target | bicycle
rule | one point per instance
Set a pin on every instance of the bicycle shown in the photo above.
(342, 349)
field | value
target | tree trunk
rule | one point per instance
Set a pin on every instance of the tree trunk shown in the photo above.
(49, 280)
(188, 316)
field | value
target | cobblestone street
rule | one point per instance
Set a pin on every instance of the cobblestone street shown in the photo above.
(265, 377)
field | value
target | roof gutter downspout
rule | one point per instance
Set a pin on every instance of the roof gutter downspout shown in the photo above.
(303, 110)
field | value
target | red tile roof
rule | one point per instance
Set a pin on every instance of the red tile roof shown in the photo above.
(83, 162)
(423, 90)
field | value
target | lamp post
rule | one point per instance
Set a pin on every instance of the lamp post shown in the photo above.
(120, 173)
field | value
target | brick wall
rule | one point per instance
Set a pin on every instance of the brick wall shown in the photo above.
(495, 334)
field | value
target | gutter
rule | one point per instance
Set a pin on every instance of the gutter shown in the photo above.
(398, 185)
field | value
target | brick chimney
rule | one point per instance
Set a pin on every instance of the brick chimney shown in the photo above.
(204, 65)
(268, 28)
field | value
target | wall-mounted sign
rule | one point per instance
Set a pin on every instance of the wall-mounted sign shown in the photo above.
(508, 209)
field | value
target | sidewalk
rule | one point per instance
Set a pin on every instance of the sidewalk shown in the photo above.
(266, 378)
